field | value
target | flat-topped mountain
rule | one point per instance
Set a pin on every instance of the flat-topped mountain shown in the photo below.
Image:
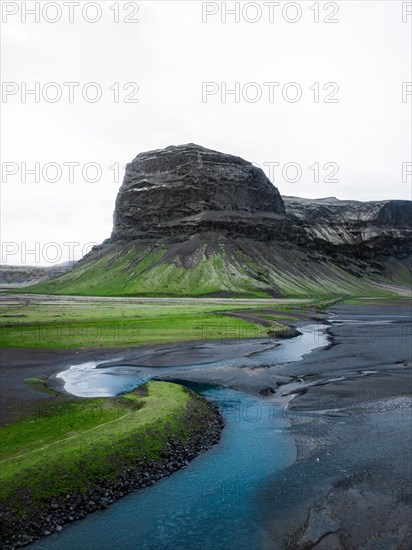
(178, 190)
(190, 221)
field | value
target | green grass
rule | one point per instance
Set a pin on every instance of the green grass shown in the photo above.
(72, 446)
(39, 383)
(93, 324)
(129, 269)
(58, 322)
(141, 273)
(269, 316)
(377, 301)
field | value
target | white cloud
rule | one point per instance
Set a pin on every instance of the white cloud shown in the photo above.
(169, 53)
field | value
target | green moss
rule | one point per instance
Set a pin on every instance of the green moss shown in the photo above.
(99, 333)
(377, 301)
(94, 324)
(73, 446)
(130, 270)
(40, 384)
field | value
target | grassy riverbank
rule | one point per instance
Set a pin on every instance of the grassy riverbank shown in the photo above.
(65, 445)
(72, 448)
(69, 322)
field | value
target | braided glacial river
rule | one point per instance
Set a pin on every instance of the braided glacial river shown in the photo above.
(223, 498)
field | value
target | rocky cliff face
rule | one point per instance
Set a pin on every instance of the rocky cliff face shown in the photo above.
(179, 190)
(330, 210)
(189, 221)
(375, 228)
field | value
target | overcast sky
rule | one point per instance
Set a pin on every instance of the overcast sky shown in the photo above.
(350, 123)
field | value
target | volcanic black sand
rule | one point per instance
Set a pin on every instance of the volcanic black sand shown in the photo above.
(351, 485)
(351, 417)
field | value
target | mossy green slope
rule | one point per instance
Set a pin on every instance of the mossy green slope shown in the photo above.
(127, 269)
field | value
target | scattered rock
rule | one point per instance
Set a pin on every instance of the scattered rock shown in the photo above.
(267, 391)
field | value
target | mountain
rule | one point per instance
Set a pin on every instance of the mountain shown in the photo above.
(15, 276)
(190, 221)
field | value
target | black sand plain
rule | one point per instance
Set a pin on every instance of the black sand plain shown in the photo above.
(351, 417)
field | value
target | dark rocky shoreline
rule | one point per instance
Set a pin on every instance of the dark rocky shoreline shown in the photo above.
(21, 531)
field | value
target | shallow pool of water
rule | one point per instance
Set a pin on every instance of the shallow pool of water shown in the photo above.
(85, 380)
